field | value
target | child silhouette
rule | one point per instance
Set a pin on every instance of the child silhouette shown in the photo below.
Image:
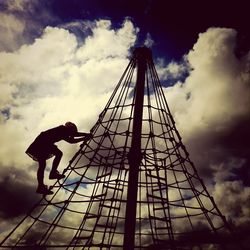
(44, 148)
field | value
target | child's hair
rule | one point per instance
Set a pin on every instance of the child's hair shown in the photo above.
(71, 126)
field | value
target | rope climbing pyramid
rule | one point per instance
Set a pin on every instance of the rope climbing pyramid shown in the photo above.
(132, 186)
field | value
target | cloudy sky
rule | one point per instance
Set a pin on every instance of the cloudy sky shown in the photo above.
(60, 61)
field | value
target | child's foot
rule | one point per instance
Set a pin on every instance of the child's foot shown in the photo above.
(56, 175)
(43, 189)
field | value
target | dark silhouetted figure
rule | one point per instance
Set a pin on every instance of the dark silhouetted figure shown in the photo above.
(44, 148)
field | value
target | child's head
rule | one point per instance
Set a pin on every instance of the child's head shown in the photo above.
(71, 127)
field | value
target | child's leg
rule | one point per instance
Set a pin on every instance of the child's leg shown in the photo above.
(58, 155)
(40, 172)
(54, 174)
(42, 189)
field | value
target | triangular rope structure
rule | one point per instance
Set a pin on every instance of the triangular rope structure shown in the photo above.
(128, 187)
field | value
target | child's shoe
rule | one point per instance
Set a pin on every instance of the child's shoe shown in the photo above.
(56, 175)
(43, 189)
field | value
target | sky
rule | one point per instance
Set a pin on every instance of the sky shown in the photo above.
(60, 61)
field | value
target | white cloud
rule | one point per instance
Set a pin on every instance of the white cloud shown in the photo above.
(213, 102)
(52, 81)
(225, 169)
(21, 21)
(171, 72)
(149, 42)
(11, 29)
(106, 42)
(233, 199)
(218, 85)
(17, 5)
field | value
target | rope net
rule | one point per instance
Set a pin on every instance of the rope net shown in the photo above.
(87, 209)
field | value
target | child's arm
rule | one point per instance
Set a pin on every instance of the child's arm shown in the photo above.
(80, 134)
(74, 140)
(85, 136)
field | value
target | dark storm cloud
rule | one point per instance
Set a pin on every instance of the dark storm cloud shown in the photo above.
(17, 194)
(225, 150)
(236, 143)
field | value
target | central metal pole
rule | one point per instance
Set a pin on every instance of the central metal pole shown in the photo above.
(141, 56)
